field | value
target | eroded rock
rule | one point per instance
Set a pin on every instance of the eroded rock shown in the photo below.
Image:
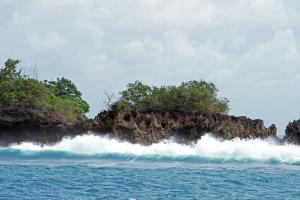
(151, 127)
(292, 133)
(19, 123)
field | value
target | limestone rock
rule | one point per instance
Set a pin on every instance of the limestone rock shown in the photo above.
(292, 133)
(186, 127)
(19, 123)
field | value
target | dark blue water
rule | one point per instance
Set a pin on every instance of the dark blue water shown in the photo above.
(91, 167)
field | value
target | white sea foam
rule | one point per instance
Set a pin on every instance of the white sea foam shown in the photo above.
(207, 147)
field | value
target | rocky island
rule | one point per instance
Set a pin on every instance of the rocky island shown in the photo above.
(36, 111)
(45, 112)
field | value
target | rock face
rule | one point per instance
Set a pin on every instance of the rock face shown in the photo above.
(292, 133)
(152, 127)
(20, 124)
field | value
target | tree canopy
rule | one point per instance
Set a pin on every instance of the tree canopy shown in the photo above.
(9, 71)
(64, 88)
(60, 97)
(191, 95)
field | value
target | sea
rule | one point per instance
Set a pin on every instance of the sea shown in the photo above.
(99, 167)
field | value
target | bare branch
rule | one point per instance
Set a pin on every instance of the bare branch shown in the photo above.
(108, 101)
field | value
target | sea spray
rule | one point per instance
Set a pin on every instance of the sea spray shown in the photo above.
(208, 149)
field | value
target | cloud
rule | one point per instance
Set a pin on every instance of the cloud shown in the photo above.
(53, 40)
(278, 57)
(271, 13)
(250, 48)
(178, 44)
(237, 39)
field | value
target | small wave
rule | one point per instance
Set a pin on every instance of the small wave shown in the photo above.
(208, 149)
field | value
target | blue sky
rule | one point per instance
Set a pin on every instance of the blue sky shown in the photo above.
(248, 48)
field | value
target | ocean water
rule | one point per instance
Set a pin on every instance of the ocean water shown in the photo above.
(95, 167)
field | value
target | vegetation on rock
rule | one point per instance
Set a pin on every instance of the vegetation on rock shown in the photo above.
(59, 97)
(191, 95)
(67, 91)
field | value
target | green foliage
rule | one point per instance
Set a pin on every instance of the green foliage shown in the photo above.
(135, 96)
(65, 89)
(191, 95)
(84, 118)
(31, 93)
(23, 90)
(9, 71)
(60, 97)
(65, 108)
(122, 103)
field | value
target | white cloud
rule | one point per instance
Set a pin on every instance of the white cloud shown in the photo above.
(237, 39)
(54, 40)
(18, 18)
(155, 47)
(271, 13)
(133, 53)
(282, 50)
(178, 44)
(250, 47)
(210, 50)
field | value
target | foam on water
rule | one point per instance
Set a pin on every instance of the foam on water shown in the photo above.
(94, 167)
(208, 148)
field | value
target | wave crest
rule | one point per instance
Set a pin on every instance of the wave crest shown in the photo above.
(207, 149)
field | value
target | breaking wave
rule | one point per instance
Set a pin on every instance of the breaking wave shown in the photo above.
(208, 149)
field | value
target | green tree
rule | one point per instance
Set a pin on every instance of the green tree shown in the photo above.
(33, 94)
(65, 89)
(136, 95)
(191, 95)
(9, 71)
(60, 97)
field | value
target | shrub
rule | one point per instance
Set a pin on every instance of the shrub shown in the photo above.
(65, 89)
(136, 96)
(60, 97)
(191, 95)
(65, 108)
(33, 94)
(28, 91)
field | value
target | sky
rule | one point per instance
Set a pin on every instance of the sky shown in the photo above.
(248, 48)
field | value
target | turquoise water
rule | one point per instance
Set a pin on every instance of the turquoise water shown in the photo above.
(93, 167)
